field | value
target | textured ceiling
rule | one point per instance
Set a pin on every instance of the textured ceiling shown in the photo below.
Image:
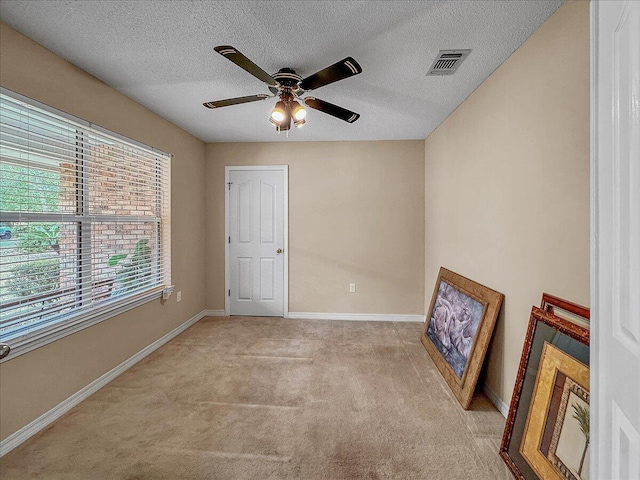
(160, 53)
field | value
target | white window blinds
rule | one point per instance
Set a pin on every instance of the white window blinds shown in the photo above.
(84, 219)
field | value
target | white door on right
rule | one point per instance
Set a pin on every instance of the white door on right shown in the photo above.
(615, 359)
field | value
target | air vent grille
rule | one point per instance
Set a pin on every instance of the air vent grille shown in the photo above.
(447, 62)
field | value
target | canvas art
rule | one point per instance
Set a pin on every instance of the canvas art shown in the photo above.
(556, 437)
(458, 328)
(453, 325)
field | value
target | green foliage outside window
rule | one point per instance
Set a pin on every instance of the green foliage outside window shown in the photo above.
(34, 278)
(18, 195)
(135, 271)
(39, 238)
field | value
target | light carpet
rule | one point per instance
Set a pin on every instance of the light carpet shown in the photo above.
(273, 398)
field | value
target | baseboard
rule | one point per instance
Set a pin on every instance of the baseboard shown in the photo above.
(214, 313)
(371, 317)
(26, 432)
(502, 407)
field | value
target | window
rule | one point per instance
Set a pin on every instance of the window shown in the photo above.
(84, 222)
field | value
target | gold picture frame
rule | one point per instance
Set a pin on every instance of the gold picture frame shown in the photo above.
(556, 435)
(566, 334)
(458, 329)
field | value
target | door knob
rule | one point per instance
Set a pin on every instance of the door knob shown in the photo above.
(279, 251)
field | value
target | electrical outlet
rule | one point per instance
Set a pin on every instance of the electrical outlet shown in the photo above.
(179, 297)
(352, 288)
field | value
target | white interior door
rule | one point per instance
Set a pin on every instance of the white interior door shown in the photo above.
(256, 240)
(615, 263)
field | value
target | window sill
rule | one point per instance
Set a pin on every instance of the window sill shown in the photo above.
(44, 336)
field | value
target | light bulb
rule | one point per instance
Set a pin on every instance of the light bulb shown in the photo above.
(299, 123)
(297, 111)
(279, 112)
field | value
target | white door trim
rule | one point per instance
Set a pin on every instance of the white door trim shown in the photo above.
(594, 346)
(227, 275)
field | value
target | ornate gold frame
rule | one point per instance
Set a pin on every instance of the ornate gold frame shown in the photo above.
(553, 360)
(464, 386)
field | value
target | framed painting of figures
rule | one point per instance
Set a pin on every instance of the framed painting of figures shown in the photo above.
(458, 328)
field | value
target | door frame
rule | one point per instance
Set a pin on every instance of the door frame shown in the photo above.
(227, 275)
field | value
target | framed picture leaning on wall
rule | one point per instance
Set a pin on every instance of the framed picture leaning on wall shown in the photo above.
(556, 436)
(565, 309)
(458, 328)
(570, 336)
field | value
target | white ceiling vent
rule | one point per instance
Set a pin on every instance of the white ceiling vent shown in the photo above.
(447, 62)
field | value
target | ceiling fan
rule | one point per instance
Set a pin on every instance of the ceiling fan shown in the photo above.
(289, 86)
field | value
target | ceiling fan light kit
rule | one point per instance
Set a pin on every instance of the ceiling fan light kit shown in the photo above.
(279, 112)
(297, 111)
(289, 87)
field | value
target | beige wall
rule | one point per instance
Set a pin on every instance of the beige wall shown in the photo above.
(507, 183)
(355, 215)
(504, 181)
(35, 382)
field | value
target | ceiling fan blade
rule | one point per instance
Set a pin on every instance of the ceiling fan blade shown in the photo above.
(338, 71)
(331, 109)
(243, 62)
(235, 101)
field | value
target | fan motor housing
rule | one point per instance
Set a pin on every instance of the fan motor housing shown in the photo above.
(289, 80)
